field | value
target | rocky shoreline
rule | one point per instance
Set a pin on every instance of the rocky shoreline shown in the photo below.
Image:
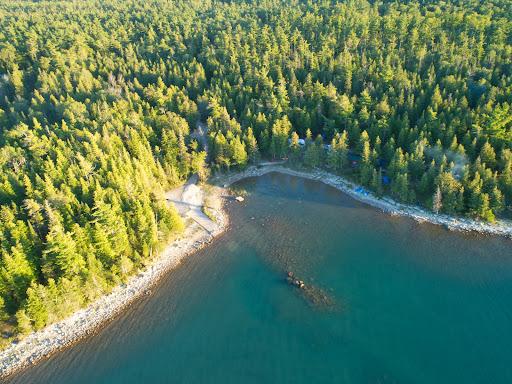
(85, 322)
(386, 204)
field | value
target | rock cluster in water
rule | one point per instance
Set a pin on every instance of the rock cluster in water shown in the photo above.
(294, 281)
(314, 295)
(84, 322)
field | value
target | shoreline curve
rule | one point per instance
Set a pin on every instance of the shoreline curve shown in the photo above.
(43, 343)
(386, 204)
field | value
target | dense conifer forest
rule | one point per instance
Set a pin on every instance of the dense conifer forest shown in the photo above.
(99, 100)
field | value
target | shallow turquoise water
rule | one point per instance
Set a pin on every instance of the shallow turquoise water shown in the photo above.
(413, 303)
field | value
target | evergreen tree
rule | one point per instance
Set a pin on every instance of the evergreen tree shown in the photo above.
(376, 182)
(313, 154)
(279, 143)
(295, 150)
(60, 254)
(251, 146)
(91, 137)
(437, 200)
(239, 153)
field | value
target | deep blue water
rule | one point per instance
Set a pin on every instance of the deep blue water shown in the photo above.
(407, 303)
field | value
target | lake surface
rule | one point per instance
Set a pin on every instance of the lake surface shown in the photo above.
(402, 302)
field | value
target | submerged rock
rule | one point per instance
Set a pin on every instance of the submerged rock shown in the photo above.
(314, 295)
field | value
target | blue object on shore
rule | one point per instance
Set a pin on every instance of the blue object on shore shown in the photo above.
(226, 316)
